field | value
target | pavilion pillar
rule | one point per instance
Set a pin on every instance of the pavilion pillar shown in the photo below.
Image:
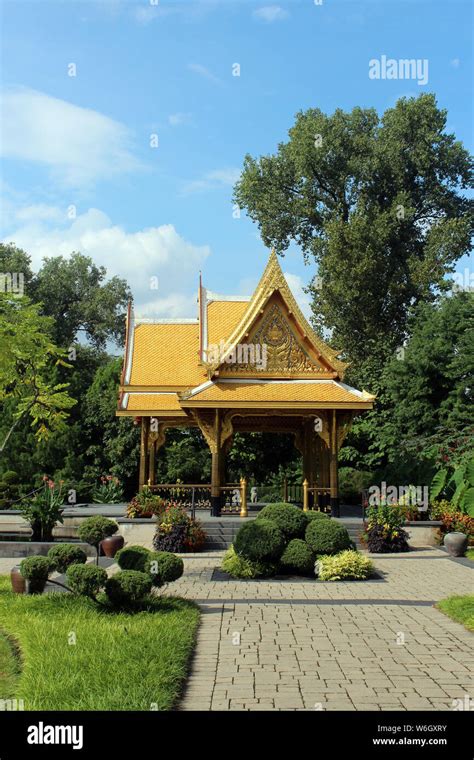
(143, 471)
(156, 439)
(216, 466)
(151, 463)
(333, 471)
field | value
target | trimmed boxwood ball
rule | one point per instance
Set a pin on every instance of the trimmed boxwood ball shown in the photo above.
(63, 555)
(86, 580)
(164, 567)
(315, 515)
(132, 558)
(128, 587)
(327, 537)
(260, 540)
(291, 520)
(94, 529)
(297, 558)
(36, 570)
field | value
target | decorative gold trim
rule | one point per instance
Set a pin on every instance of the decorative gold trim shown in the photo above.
(273, 280)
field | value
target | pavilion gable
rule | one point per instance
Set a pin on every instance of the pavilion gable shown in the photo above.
(273, 338)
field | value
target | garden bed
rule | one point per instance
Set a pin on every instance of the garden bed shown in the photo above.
(119, 661)
(220, 575)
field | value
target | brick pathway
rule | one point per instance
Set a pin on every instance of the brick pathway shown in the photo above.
(293, 645)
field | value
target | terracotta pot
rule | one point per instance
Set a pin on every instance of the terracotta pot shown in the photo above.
(18, 582)
(111, 545)
(456, 543)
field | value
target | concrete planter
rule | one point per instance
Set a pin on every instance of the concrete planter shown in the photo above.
(423, 532)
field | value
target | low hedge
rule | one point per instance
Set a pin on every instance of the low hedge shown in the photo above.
(298, 558)
(327, 536)
(348, 565)
(288, 518)
(260, 540)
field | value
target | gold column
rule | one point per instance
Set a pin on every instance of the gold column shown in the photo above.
(243, 498)
(305, 496)
(143, 452)
(333, 474)
(151, 463)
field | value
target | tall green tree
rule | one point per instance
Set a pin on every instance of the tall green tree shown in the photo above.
(425, 410)
(110, 443)
(84, 305)
(27, 358)
(378, 203)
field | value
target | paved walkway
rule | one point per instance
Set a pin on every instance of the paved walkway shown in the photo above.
(305, 645)
(301, 644)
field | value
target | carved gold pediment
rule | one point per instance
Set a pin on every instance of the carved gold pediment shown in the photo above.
(272, 348)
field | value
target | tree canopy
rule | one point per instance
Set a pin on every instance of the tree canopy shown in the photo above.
(377, 202)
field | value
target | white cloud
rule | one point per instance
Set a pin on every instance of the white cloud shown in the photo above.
(142, 258)
(271, 13)
(78, 145)
(455, 63)
(217, 178)
(204, 72)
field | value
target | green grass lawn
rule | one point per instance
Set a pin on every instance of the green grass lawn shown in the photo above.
(120, 661)
(459, 608)
(470, 554)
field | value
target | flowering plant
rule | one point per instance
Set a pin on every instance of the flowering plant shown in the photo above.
(44, 509)
(177, 531)
(109, 491)
(145, 504)
(384, 532)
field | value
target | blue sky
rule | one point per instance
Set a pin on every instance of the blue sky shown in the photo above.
(79, 171)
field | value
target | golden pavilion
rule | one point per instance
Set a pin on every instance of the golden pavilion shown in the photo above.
(241, 365)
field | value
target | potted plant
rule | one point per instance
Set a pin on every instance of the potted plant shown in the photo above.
(145, 504)
(178, 532)
(98, 531)
(36, 571)
(44, 509)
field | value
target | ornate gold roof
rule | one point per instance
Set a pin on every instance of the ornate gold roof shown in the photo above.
(256, 352)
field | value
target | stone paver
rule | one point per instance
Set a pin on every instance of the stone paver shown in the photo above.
(304, 645)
